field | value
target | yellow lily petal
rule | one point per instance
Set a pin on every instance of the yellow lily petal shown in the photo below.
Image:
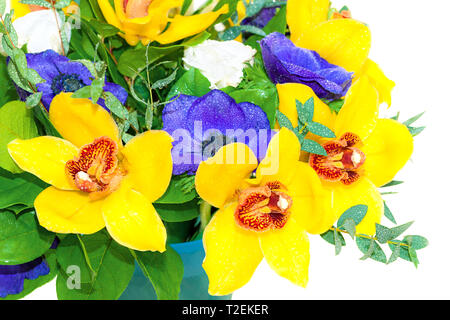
(109, 13)
(283, 151)
(343, 42)
(68, 211)
(219, 177)
(133, 221)
(379, 80)
(232, 253)
(289, 92)
(45, 157)
(387, 150)
(149, 171)
(361, 192)
(359, 113)
(185, 26)
(303, 15)
(287, 252)
(80, 121)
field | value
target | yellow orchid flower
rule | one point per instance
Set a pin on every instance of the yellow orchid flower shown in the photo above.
(343, 42)
(367, 153)
(266, 216)
(146, 20)
(97, 182)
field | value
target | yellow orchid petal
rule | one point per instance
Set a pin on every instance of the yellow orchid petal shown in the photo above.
(361, 192)
(283, 151)
(185, 26)
(387, 150)
(359, 113)
(311, 203)
(45, 157)
(19, 8)
(343, 42)
(379, 80)
(286, 251)
(133, 221)
(149, 171)
(68, 211)
(219, 177)
(109, 13)
(232, 253)
(289, 92)
(303, 15)
(80, 121)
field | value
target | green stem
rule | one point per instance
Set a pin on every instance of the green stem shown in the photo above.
(205, 214)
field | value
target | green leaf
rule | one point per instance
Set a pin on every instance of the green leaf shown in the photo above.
(83, 93)
(191, 83)
(308, 109)
(178, 212)
(355, 213)
(371, 249)
(276, 24)
(175, 194)
(415, 131)
(19, 189)
(329, 237)
(21, 238)
(31, 285)
(105, 30)
(16, 122)
(413, 256)
(96, 89)
(388, 214)
(416, 242)
(395, 254)
(410, 121)
(350, 226)
(7, 89)
(392, 183)
(161, 83)
(320, 130)
(2, 7)
(164, 270)
(112, 267)
(384, 234)
(33, 100)
(337, 243)
(113, 104)
(313, 147)
(267, 99)
(41, 3)
(284, 121)
(336, 105)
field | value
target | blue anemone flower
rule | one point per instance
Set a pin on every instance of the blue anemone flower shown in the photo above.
(63, 75)
(200, 126)
(261, 19)
(12, 277)
(285, 62)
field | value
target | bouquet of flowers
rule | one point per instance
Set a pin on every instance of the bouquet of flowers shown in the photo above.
(160, 149)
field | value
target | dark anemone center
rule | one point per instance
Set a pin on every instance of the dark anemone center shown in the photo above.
(66, 83)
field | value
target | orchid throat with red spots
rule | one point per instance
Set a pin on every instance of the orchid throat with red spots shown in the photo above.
(343, 161)
(263, 208)
(96, 170)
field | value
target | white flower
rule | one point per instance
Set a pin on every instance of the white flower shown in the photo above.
(221, 62)
(198, 4)
(40, 31)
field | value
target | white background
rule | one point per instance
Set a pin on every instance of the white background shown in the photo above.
(410, 41)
